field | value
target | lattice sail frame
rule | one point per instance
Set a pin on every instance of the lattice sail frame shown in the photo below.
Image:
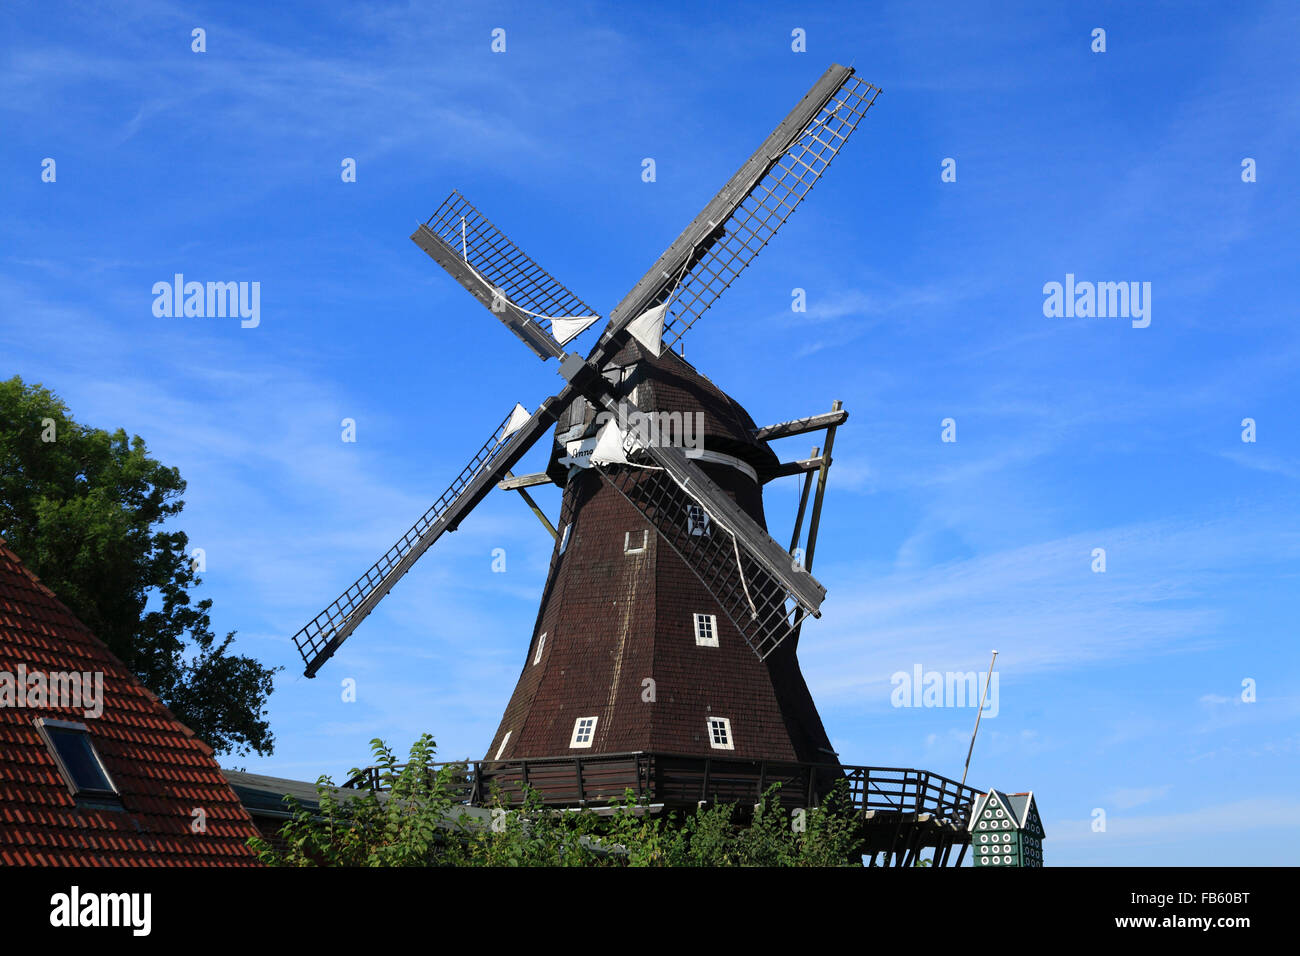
(758, 605)
(336, 622)
(767, 206)
(489, 252)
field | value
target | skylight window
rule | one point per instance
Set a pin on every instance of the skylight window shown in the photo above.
(706, 630)
(541, 645)
(720, 733)
(635, 543)
(564, 538)
(584, 731)
(79, 762)
(502, 749)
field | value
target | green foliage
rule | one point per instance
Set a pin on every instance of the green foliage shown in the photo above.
(719, 835)
(416, 818)
(83, 512)
(395, 826)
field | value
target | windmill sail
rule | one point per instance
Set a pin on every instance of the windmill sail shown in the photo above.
(768, 205)
(531, 302)
(321, 637)
(762, 591)
(746, 213)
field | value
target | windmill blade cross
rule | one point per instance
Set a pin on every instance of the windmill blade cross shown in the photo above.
(764, 594)
(323, 635)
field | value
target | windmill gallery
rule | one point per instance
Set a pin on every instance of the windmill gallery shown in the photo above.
(662, 568)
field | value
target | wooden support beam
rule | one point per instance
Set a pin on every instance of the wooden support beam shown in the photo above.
(803, 503)
(802, 466)
(942, 855)
(515, 482)
(528, 499)
(815, 520)
(915, 840)
(894, 851)
(799, 426)
(823, 468)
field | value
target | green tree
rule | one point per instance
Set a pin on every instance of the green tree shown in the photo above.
(83, 508)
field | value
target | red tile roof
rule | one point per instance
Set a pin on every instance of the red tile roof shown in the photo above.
(162, 770)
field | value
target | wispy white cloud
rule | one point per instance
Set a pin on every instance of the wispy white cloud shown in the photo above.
(1040, 605)
(1249, 457)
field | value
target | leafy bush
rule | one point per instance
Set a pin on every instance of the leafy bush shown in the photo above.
(416, 818)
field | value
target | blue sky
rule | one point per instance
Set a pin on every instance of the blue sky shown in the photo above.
(1118, 690)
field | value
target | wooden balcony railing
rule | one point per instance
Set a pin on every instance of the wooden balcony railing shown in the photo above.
(680, 780)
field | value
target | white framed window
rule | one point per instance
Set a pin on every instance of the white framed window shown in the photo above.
(564, 537)
(78, 760)
(584, 732)
(502, 749)
(697, 520)
(541, 646)
(635, 542)
(720, 733)
(706, 630)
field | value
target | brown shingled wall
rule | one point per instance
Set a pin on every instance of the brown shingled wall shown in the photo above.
(614, 619)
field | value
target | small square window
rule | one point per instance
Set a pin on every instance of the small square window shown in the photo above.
(79, 762)
(564, 537)
(502, 749)
(541, 646)
(584, 731)
(697, 520)
(635, 542)
(706, 630)
(720, 733)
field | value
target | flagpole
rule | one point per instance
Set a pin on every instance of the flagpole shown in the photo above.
(978, 714)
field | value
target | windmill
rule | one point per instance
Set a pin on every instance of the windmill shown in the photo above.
(663, 656)
(702, 503)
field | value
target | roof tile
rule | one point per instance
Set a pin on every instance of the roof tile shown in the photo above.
(161, 768)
